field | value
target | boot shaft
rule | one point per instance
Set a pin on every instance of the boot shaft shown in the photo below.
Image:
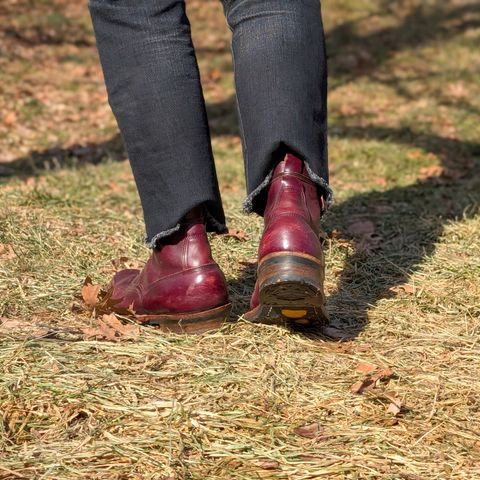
(292, 192)
(186, 248)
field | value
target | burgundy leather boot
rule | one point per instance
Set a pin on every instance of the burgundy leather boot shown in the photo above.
(291, 265)
(181, 289)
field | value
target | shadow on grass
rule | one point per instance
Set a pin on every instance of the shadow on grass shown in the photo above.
(222, 119)
(410, 221)
(354, 53)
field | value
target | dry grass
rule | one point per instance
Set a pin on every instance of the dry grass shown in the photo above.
(405, 116)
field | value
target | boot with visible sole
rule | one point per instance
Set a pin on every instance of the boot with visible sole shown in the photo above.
(181, 289)
(291, 264)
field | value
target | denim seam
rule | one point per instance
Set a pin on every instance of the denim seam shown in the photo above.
(242, 130)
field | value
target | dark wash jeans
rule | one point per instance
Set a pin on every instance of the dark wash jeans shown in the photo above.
(154, 90)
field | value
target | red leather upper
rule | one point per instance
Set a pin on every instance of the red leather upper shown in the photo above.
(179, 277)
(292, 214)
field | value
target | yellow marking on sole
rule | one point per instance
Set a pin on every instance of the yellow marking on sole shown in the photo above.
(294, 313)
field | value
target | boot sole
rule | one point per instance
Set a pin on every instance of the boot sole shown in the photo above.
(291, 291)
(188, 323)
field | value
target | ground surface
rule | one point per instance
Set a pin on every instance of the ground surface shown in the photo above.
(403, 259)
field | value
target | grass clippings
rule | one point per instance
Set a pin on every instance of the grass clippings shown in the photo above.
(87, 396)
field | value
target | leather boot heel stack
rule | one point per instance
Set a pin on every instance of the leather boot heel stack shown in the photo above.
(291, 285)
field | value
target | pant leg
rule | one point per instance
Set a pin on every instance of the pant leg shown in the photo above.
(278, 48)
(154, 90)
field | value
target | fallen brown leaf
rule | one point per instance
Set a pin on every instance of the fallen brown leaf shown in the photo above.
(115, 187)
(416, 154)
(365, 235)
(267, 464)
(430, 171)
(313, 430)
(403, 288)
(90, 292)
(363, 367)
(111, 329)
(8, 324)
(457, 90)
(359, 229)
(125, 262)
(395, 407)
(362, 385)
(14, 327)
(215, 75)
(6, 252)
(9, 118)
(371, 381)
(237, 234)
(380, 181)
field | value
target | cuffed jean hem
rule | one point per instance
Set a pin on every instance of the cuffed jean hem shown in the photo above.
(212, 225)
(324, 187)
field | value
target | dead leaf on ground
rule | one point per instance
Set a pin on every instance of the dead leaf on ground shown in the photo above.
(9, 118)
(25, 327)
(364, 232)
(237, 234)
(418, 155)
(90, 292)
(380, 181)
(359, 229)
(7, 324)
(215, 75)
(395, 407)
(371, 381)
(364, 367)
(111, 329)
(403, 289)
(267, 464)
(125, 262)
(313, 430)
(115, 187)
(430, 171)
(6, 252)
(457, 91)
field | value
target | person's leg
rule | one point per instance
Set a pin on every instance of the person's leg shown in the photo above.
(279, 56)
(154, 90)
